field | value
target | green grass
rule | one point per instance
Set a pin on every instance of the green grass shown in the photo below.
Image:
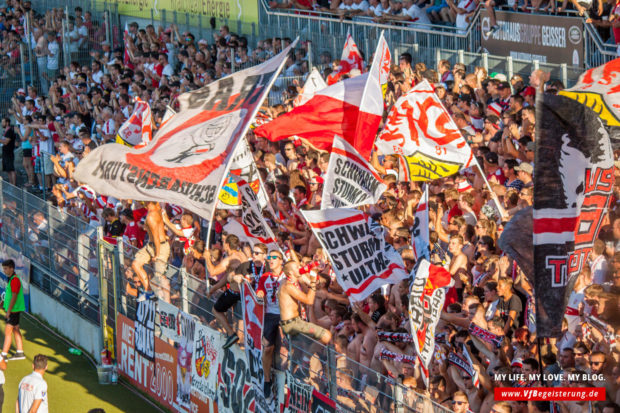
(72, 381)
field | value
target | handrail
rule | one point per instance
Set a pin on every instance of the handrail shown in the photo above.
(316, 15)
(604, 48)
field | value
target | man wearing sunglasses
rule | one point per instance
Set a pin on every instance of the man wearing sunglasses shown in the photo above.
(267, 290)
(254, 268)
(460, 404)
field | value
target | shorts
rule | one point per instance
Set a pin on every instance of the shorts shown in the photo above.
(436, 9)
(271, 326)
(8, 164)
(147, 253)
(14, 319)
(296, 326)
(226, 301)
(27, 153)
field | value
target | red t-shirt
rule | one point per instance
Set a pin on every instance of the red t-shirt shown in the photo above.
(16, 284)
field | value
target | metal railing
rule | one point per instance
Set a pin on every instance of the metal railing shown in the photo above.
(61, 247)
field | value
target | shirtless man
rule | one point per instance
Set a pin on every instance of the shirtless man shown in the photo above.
(458, 264)
(365, 344)
(157, 250)
(232, 295)
(291, 296)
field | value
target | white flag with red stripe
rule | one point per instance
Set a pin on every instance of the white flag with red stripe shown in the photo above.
(350, 181)
(313, 84)
(351, 59)
(126, 55)
(352, 109)
(137, 131)
(426, 301)
(421, 130)
(420, 232)
(356, 247)
(186, 162)
(254, 225)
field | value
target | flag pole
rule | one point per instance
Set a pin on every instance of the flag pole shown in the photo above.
(501, 209)
(242, 134)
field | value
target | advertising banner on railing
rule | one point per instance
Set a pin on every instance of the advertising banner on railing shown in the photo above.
(22, 269)
(158, 378)
(206, 359)
(524, 36)
(232, 10)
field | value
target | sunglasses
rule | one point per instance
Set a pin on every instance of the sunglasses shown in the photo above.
(257, 252)
(458, 402)
(273, 257)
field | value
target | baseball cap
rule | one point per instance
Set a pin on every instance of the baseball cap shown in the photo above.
(529, 91)
(491, 157)
(525, 167)
(503, 85)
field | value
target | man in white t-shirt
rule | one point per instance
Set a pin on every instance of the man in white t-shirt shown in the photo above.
(32, 396)
(53, 53)
(411, 13)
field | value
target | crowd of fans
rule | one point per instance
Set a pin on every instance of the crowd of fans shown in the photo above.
(83, 106)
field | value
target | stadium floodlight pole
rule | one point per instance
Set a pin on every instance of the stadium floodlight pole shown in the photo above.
(242, 134)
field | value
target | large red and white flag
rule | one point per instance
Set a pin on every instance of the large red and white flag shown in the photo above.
(137, 131)
(351, 59)
(362, 260)
(351, 109)
(421, 130)
(350, 181)
(426, 300)
(313, 84)
(186, 162)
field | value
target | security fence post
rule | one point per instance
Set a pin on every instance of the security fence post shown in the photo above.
(485, 61)
(331, 369)
(21, 58)
(184, 295)
(564, 70)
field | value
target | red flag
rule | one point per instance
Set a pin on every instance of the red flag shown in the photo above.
(351, 59)
(351, 109)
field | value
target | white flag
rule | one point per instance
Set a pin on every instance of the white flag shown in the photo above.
(313, 84)
(362, 260)
(186, 162)
(350, 180)
(420, 129)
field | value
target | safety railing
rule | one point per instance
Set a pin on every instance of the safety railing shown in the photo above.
(61, 247)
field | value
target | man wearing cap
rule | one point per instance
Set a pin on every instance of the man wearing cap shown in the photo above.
(524, 173)
(504, 94)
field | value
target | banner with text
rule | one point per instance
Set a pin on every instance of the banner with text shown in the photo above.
(168, 320)
(350, 180)
(206, 359)
(145, 328)
(356, 246)
(157, 378)
(528, 36)
(186, 162)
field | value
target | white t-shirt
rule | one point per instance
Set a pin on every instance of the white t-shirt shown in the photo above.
(345, 7)
(468, 6)
(97, 77)
(74, 40)
(363, 5)
(599, 269)
(31, 388)
(417, 15)
(83, 31)
(52, 59)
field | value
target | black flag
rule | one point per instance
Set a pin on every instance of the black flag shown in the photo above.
(573, 182)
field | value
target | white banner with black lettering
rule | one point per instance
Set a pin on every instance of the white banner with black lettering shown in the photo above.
(186, 162)
(350, 180)
(356, 246)
(168, 320)
(253, 224)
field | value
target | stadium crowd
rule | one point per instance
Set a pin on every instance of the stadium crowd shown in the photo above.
(81, 107)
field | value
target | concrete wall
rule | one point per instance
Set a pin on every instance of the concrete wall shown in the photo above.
(70, 324)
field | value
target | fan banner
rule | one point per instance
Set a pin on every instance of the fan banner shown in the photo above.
(421, 130)
(255, 228)
(355, 244)
(420, 233)
(599, 89)
(351, 59)
(207, 357)
(313, 84)
(242, 167)
(426, 301)
(350, 181)
(573, 188)
(186, 162)
(137, 131)
(253, 313)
